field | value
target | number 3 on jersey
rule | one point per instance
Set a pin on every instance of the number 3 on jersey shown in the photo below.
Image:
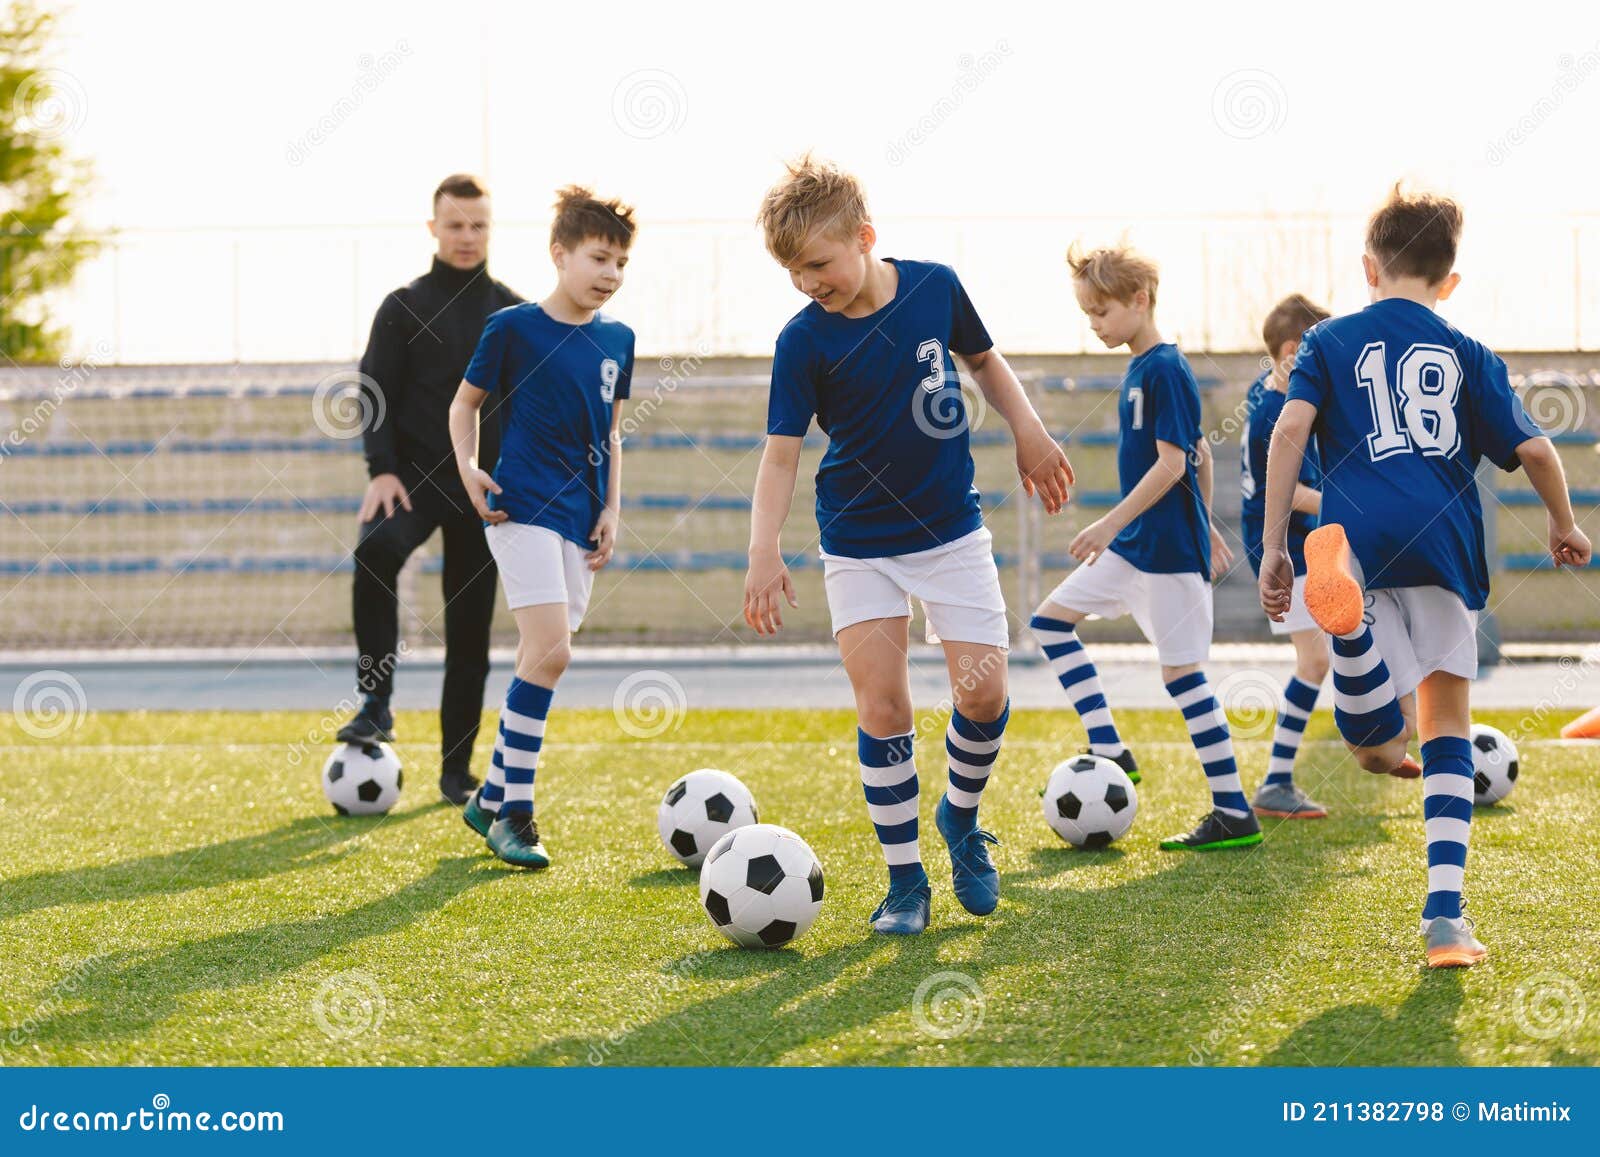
(1429, 384)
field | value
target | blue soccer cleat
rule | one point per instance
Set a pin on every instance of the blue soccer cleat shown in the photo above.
(974, 878)
(905, 910)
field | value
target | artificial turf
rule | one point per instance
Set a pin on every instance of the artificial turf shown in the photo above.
(175, 890)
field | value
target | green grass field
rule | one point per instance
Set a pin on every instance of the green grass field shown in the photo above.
(176, 891)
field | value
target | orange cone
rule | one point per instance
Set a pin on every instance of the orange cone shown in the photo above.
(1585, 726)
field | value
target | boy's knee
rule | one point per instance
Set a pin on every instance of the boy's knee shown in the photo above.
(884, 715)
(983, 704)
(543, 665)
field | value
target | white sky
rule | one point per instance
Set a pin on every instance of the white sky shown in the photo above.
(1112, 111)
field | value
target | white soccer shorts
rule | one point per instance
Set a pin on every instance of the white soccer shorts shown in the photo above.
(538, 566)
(1172, 610)
(957, 583)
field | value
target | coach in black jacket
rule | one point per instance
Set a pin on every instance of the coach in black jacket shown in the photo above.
(422, 339)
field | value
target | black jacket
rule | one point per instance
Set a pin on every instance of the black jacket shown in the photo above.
(422, 341)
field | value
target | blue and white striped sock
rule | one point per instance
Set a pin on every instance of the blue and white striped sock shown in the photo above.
(972, 748)
(1080, 681)
(494, 784)
(1208, 731)
(1299, 700)
(1365, 707)
(522, 719)
(889, 779)
(1446, 820)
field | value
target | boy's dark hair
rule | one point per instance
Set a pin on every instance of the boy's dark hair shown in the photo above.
(1290, 318)
(1415, 235)
(462, 186)
(580, 214)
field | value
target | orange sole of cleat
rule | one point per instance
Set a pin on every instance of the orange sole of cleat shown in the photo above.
(1261, 811)
(1454, 958)
(1332, 594)
(1408, 769)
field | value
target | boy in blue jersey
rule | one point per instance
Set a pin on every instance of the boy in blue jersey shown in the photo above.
(1279, 795)
(1403, 406)
(1155, 553)
(870, 359)
(557, 369)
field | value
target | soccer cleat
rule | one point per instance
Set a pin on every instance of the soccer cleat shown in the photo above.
(974, 878)
(1408, 769)
(372, 724)
(1332, 594)
(904, 911)
(477, 817)
(1451, 943)
(1287, 801)
(456, 785)
(515, 839)
(1217, 830)
(1124, 761)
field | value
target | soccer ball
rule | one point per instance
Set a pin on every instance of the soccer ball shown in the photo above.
(1494, 764)
(362, 779)
(761, 885)
(1090, 801)
(701, 808)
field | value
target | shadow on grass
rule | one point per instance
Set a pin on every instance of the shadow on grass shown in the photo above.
(130, 992)
(1422, 1030)
(1128, 974)
(303, 843)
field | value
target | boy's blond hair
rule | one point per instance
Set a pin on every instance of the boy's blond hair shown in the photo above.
(814, 198)
(1115, 272)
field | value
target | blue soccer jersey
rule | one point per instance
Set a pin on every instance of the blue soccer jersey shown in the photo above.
(556, 385)
(1262, 407)
(1406, 405)
(1160, 401)
(897, 474)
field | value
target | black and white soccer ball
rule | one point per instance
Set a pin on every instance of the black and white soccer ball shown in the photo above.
(1090, 801)
(1494, 764)
(362, 779)
(701, 808)
(761, 885)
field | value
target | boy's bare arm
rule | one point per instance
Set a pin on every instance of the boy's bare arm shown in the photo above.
(1041, 463)
(1284, 457)
(1205, 476)
(1170, 465)
(768, 578)
(464, 409)
(610, 520)
(1569, 546)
